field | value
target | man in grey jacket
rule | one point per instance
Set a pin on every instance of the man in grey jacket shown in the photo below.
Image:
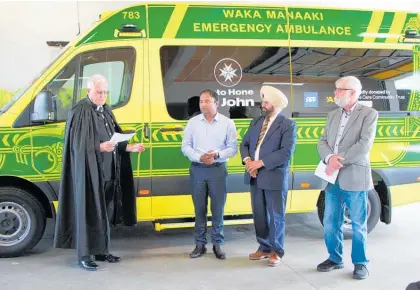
(348, 137)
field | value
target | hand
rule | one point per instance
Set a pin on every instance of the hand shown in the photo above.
(107, 146)
(329, 170)
(135, 147)
(253, 173)
(334, 163)
(206, 159)
(252, 166)
(211, 154)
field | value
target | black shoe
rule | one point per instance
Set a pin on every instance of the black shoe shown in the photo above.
(198, 251)
(329, 265)
(360, 272)
(217, 250)
(413, 286)
(88, 265)
(110, 258)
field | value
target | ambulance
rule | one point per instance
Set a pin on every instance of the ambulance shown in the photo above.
(158, 57)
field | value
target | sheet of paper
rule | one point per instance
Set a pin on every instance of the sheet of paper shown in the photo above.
(118, 137)
(320, 172)
(203, 151)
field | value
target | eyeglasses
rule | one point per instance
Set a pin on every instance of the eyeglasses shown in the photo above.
(341, 89)
(102, 92)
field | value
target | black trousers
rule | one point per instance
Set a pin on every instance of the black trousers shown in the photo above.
(109, 190)
(109, 199)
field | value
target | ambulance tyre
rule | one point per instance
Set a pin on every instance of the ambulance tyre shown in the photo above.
(22, 221)
(373, 212)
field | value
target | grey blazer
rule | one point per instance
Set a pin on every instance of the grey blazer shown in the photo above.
(354, 146)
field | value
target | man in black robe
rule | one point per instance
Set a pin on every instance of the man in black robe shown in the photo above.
(97, 187)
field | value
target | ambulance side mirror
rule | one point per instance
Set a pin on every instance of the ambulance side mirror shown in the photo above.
(44, 109)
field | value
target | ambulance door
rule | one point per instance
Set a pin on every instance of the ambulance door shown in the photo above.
(122, 65)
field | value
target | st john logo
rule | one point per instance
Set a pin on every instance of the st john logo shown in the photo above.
(228, 72)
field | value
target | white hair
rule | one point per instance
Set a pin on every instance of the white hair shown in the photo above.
(353, 83)
(95, 79)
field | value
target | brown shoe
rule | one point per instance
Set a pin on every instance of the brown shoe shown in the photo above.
(258, 255)
(274, 260)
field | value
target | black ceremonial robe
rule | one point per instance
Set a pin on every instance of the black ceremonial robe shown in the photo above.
(82, 220)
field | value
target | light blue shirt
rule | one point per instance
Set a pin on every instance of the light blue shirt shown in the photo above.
(219, 134)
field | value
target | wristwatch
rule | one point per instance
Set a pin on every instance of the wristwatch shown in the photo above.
(217, 156)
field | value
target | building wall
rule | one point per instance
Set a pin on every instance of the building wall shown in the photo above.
(25, 28)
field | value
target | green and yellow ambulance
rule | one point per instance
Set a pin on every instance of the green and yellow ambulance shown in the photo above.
(157, 57)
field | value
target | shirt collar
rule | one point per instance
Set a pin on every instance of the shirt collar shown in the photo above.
(351, 109)
(216, 118)
(272, 118)
(95, 107)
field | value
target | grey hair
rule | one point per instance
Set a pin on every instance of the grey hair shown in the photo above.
(212, 94)
(353, 82)
(95, 79)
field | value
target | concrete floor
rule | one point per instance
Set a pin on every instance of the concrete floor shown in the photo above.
(154, 260)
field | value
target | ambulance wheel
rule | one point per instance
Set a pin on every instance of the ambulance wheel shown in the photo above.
(373, 212)
(22, 221)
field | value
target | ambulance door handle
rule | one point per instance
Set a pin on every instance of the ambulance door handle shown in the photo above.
(171, 129)
(146, 131)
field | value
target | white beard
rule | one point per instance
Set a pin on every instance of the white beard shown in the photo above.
(341, 102)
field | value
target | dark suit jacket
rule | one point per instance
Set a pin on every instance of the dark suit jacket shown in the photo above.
(276, 151)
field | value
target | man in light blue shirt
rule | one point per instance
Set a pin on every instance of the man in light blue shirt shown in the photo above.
(209, 141)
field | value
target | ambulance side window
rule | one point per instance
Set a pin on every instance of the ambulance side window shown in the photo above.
(116, 65)
(235, 73)
(57, 97)
(385, 74)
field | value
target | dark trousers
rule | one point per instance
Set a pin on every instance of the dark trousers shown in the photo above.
(208, 181)
(269, 209)
(109, 199)
(109, 191)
